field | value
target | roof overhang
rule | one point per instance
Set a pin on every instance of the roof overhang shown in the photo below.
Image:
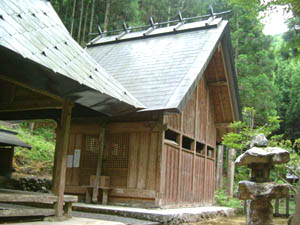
(16, 68)
(9, 138)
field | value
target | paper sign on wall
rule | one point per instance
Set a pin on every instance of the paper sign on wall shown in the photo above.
(76, 162)
(69, 161)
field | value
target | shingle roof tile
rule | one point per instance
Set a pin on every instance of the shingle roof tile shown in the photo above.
(33, 29)
(159, 70)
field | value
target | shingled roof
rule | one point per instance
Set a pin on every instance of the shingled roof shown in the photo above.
(161, 67)
(31, 32)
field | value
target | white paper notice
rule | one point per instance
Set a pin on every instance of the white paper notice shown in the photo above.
(76, 158)
(70, 161)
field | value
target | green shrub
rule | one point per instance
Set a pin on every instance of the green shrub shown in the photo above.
(222, 199)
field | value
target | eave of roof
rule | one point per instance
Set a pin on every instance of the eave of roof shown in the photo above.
(33, 30)
(9, 138)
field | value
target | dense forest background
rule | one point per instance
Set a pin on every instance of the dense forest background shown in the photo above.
(268, 67)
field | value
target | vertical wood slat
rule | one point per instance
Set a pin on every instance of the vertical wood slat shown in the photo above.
(142, 168)
(69, 171)
(143, 150)
(159, 165)
(76, 171)
(179, 191)
(133, 157)
(152, 160)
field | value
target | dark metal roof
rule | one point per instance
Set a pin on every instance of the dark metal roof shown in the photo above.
(162, 67)
(33, 30)
(9, 138)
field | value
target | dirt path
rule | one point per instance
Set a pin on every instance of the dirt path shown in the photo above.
(236, 221)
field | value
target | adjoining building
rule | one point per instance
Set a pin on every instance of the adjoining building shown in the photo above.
(163, 155)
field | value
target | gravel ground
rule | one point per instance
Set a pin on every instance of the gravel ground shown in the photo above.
(241, 220)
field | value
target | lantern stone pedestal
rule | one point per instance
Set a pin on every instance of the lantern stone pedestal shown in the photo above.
(259, 191)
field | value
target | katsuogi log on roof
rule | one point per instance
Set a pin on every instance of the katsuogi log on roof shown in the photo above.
(37, 50)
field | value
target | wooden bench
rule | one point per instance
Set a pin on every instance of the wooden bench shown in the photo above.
(89, 192)
(16, 196)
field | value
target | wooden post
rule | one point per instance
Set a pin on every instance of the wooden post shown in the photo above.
(231, 156)
(287, 204)
(277, 207)
(219, 177)
(61, 149)
(99, 167)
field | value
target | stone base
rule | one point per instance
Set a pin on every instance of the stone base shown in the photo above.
(259, 212)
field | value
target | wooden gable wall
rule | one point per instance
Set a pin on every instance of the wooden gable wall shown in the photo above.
(188, 173)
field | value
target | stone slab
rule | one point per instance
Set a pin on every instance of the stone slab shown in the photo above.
(272, 155)
(251, 190)
(72, 221)
(166, 216)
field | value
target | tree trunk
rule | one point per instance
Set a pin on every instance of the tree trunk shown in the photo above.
(73, 17)
(231, 156)
(80, 21)
(85, 22)
(219, 174)
(106, 19)
(68, 6)
(92, 16)
(61, 5)
(169, 12)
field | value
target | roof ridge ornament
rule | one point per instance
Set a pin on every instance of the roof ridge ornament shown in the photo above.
(212, 15)
(126, 31)
(181, 21)
(151, 28)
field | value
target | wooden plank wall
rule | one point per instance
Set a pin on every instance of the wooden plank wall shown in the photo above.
(78, 176)
(143, 162)
(188, 176)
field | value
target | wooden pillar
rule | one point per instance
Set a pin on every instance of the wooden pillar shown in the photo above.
(230, 172)
(179, 189)
(61, 149)
(6, 161)
(219, 173)
(98, 171)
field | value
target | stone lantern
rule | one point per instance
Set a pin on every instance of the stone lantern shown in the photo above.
(259, 191)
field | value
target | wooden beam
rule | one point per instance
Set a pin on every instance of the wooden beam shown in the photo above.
(219, 91)
(61, 150)
(228, 87)
(20, 107)
(60, 99)
(217, 83)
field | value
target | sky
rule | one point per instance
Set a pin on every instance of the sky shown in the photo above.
(274, 21)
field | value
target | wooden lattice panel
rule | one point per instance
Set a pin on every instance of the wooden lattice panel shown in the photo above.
(89, 160)
(115, 159)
